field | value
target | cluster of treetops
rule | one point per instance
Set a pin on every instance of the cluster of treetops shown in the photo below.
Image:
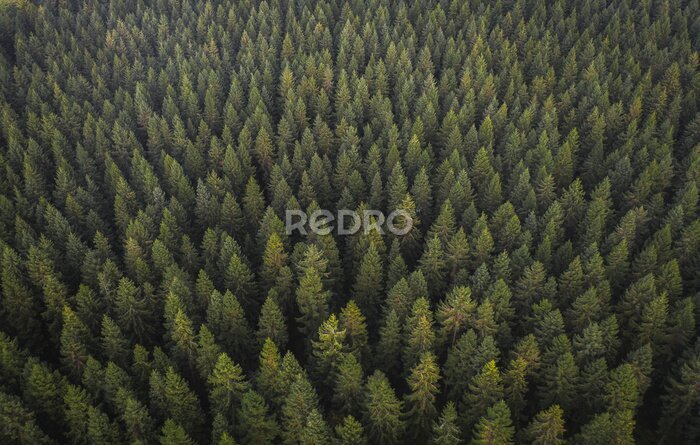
(547, 151)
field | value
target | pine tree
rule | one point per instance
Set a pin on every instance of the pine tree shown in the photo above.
(400, 297)
(316, 431)
(276, 273)
(621, 390)
(485, 389)
(312, 300)
(368, 284)
(457, 256)
(348, 389)
(456, 374)
(255, 424)
(132, 310)
(173, 433)
(299, 403)
(446, 431)
(455, 313)
(420, 403)
(445, 225)
(356, 338)
(19, 307)
(207, 353)
(42, 392)
(529, 286)
(76, 402)
(172, 395)
(482, 245)
(228, 384)
(269, 380)
(397, 268)
(350, 432)
(74, 336)
(680, 398)
(433, 266)
(139, 425)
(495, 427)
(271, 324)
(422, 194)
(19, 425)
(184, 340)
(515, 386)
(382, 413)
(227, 321)
(560, 381)
(327, 351)
(238, 279)
(390, 344)
(100, 429)
(606, 428)
(253, 204)
(547, 428)
(421, 335)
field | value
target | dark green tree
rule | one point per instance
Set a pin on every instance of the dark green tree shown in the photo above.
(382, 413)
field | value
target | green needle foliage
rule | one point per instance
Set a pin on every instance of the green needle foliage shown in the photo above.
(545, 153)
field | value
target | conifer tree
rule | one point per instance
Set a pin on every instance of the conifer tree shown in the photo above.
(238, 279)
(350, 432)
(327, 351)
(390, 344)
(299, 403)
(680, 397)
(139, 425)
(271, 324)
(20, 425)
(368, 284)
(382, 411)
(316, 430)
(560, 381)
(420, 403)
(174, 434)
(454, 313)
(456, 374)
(207, 353)
(269, 379)
(433, 266)
(276, 273)
(547, 428)
(446, 430)
(485, 389)
(73, 342)
(19, 307)
(312, 300)
(227, 321)
(76, 407)
(132, 310)
(495, 427)
(254, 422)
(228, 384)
(356, 338)
(114, 345)
(516, 385)
(421, 335)
(172, 395)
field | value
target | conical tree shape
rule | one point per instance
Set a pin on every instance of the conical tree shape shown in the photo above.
(547, 428)
(382, 411)
(420, 403)
(495, 428)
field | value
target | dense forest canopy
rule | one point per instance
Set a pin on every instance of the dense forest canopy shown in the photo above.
(548, 154)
